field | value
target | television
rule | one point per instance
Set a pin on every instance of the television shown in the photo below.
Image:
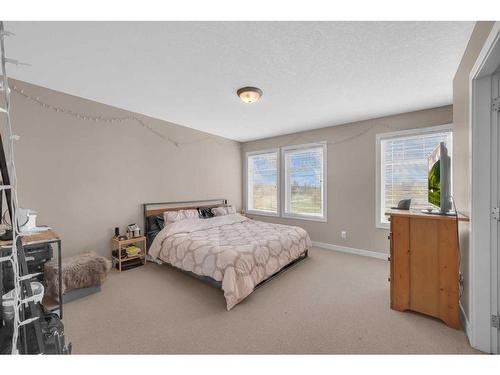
(439, 180)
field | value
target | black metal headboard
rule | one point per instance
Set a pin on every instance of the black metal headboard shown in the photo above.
(153, 213)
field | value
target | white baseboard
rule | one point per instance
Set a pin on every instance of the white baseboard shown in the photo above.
(464, 321)
(351, 250)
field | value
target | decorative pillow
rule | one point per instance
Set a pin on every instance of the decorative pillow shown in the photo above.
(221, 211)
(205, 212)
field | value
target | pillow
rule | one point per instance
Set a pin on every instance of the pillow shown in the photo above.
(155, 225)
(173, 216)
(221, 211)
(190, 214)
(205, 212)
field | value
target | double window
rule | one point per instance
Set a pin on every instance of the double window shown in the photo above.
(402, 167)
(288, 182)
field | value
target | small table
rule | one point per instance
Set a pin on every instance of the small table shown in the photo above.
(117, 244)
(45, 237)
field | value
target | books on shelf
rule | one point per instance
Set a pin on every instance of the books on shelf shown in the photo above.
(129, 252)
(133, 250)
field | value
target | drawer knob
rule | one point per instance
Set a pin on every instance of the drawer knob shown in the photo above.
(389, 279)
(389, 259)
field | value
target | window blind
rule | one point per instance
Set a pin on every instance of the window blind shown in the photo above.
(304, 181)
(404, 168)
(262, 188)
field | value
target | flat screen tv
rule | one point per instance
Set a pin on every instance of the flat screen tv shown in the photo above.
(439, 179)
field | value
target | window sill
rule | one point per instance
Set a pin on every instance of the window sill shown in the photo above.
(385, 226)
(262, 213)
(304, 217)
(287, 216)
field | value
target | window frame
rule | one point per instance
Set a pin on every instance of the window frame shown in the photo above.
(283, 186)
(278, 180)
(379, 179)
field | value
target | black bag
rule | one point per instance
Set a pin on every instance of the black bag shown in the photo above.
(52, 330)
(53, 335)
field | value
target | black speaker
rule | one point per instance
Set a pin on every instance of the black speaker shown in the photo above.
(403, 204)
(117, 231)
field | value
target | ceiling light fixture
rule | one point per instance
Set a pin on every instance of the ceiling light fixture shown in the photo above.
(249, 94)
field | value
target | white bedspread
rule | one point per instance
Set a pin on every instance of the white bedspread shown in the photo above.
(233, 249)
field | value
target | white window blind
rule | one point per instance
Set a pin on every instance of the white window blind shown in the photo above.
(304, 181)
(262, 182)
(404, 168)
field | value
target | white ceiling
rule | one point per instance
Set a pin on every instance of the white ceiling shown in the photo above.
(313, 74)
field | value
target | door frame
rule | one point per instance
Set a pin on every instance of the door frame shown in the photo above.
(483, 267)
(495, 227)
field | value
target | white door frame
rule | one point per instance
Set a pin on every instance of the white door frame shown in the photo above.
(495, 190)
(482, 271)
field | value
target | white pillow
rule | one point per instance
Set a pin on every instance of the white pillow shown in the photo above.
(221, 211)
(191, 214)
(173, 216)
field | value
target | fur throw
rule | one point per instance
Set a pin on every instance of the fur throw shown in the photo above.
(80, 271)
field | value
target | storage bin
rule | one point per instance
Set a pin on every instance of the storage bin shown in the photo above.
(8, 300)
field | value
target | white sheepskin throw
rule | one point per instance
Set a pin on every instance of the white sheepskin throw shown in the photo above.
(80, 271)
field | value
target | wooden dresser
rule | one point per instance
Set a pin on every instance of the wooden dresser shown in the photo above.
(425, 264)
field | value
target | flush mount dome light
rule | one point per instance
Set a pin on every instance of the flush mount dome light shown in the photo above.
(249, 94)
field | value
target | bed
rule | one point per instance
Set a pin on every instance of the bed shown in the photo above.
(231, 252)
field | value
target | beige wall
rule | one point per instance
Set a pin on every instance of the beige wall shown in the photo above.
(84, 178)
(461, 149)
(351, 175)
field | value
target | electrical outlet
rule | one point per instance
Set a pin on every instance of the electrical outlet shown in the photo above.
(343, 234)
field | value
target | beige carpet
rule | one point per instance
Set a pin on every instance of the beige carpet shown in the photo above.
(330, 303)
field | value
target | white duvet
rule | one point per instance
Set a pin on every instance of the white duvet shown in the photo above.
(233, 249)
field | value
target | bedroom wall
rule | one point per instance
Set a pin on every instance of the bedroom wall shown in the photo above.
(461, 149)
(351, 206)
(84, 177)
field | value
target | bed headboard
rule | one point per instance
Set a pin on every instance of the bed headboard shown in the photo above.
(153, 213)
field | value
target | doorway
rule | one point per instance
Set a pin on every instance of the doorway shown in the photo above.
(484, 261)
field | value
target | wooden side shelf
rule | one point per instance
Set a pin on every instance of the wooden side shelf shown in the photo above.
(117, 244)
(425, 264)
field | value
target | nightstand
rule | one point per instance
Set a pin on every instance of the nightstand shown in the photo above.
(119, 245)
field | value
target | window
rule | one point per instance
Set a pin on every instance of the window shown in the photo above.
(304, 190)
(402, 167)
(292, 186)
(262, 182)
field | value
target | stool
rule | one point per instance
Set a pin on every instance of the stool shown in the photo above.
(82, 275)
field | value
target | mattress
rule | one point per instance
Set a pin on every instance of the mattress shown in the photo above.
(234, 250)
